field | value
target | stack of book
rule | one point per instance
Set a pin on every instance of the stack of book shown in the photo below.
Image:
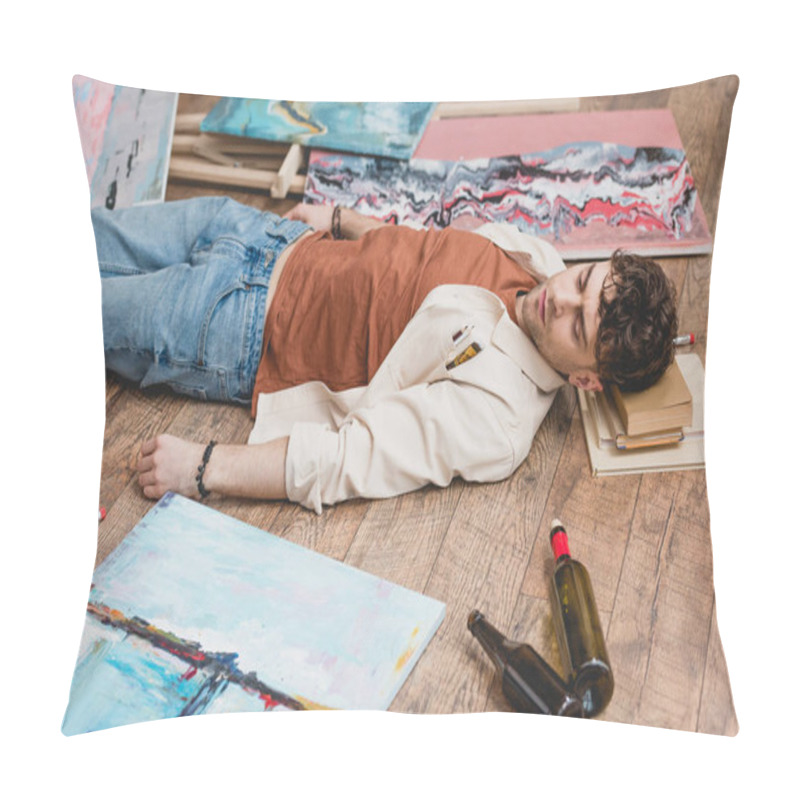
(656, 430)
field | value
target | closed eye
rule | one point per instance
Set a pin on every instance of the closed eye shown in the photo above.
(583, 282)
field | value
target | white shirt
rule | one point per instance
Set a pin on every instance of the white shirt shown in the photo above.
(420, 421)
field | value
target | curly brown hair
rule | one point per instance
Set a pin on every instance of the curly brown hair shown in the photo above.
(638, 322)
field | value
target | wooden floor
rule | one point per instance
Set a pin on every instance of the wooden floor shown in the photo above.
(645, 539)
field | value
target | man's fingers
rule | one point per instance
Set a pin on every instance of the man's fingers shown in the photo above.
(147, 478)
(148, 447)
(146, 467)
(152, 492)
(167, 463)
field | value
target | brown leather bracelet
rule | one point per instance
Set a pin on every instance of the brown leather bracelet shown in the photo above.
(336, 222)
(202, 468)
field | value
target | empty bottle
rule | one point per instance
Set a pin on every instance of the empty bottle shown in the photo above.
(529, 682)
(577, 623)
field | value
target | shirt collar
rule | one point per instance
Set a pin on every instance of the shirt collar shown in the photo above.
(510, 338)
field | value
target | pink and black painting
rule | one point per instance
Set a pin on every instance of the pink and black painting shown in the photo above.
(632, 189)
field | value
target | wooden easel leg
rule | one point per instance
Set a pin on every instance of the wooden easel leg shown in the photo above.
(287, 172)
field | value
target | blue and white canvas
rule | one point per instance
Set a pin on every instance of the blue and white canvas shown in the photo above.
(380, 129)
(197, 613)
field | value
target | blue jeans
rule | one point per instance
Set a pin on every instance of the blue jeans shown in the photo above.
(184, 287)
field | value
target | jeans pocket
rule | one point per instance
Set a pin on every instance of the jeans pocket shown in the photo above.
(231, 336)
(222, 339)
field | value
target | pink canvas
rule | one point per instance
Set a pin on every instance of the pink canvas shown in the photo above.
(485, 137)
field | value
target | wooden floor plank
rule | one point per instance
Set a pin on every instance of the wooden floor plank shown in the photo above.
(659, 631)
(114, 391)
(330, 534)
(717, 714)
(630, 634)
(596, 512)
(400, 538)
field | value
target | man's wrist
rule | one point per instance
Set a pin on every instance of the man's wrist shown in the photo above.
(244, 470)
(202, 490)
(336, 222)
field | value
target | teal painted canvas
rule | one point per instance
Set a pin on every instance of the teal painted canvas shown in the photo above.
(198, 613)
(379, 129)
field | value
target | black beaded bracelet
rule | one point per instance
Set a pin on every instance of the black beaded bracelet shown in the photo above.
(336, 222)
(202, 468)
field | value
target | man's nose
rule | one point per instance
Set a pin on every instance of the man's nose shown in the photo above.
(565, 300)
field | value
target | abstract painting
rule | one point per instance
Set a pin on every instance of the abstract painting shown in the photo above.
(198, 613)
(126, 138)
(381, 129)
(586, 198)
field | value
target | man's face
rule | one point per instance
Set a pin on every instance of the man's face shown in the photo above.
(562, 316)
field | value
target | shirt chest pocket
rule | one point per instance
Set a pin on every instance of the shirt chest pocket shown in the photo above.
(433, 353)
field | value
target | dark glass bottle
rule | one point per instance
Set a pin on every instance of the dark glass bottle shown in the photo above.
(529, 682)
(577, 623)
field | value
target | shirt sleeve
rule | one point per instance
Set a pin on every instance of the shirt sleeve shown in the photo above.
(425, 434)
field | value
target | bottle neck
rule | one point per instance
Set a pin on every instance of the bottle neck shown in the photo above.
(492, 641)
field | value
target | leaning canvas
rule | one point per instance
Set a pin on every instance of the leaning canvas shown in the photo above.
(645, 172)
(386, 129)
(126, 135)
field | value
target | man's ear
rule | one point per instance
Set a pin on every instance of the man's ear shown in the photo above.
(587, 380)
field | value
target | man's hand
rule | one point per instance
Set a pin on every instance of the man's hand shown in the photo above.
(168, 463)
(319, 217)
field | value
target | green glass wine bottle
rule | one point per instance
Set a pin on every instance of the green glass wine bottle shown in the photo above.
(577, 623)
(529, 683)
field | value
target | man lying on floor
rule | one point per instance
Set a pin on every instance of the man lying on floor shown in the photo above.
(377, 359)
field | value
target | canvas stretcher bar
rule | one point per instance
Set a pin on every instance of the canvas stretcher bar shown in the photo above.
(210, 145)
(193, 169)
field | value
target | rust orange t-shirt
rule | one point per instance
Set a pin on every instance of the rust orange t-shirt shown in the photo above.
(340, 305)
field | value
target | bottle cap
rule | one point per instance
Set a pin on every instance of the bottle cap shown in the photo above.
(474, 616)
(558, 539)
